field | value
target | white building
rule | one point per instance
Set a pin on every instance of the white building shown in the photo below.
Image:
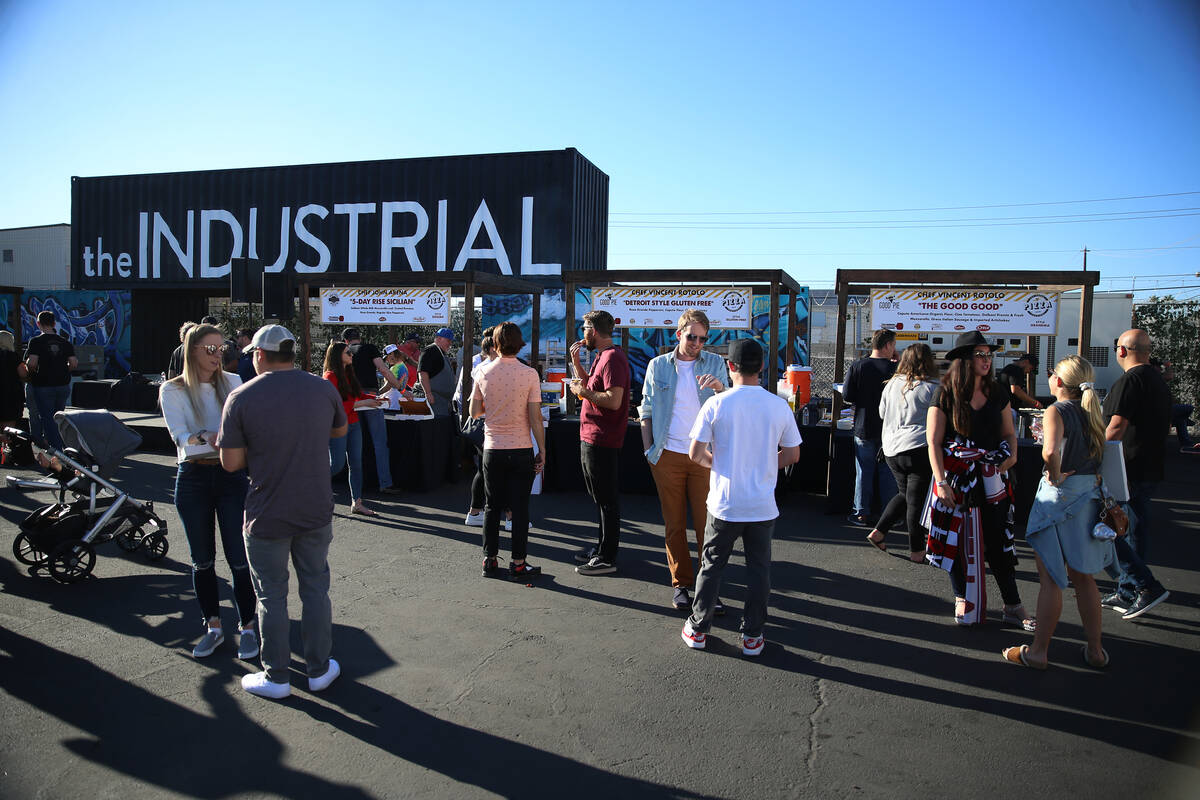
(36, 258)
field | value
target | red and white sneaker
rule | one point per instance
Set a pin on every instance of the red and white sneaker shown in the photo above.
(752, 645)
(692, 637)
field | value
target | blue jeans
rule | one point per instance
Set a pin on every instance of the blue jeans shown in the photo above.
(866, 470)
(204, 492)
(347, 450)
(376, 427)
(48, 400)
(1130, 571)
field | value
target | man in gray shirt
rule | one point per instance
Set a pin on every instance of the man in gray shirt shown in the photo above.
(278, 428)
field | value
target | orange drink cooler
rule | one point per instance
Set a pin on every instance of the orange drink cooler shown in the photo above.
(800, 379)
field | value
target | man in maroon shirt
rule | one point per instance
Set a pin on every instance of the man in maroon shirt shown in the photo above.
(603, 420)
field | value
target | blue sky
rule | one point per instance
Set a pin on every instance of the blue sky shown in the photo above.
(781, 135)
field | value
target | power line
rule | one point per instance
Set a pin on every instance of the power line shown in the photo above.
(752, 224)
(807, 227)
(904, 210)
(901, 253)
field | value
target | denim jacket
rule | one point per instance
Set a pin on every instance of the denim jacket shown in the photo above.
(658, 393)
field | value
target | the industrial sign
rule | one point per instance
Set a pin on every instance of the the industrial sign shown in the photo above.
(385, 306)
(1024, 312)
(661, 306)
(522, 214)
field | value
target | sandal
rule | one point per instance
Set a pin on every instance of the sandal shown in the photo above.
(363, 510)
(1087, 659)
(877, 543)
(1016, 655)
(917, 558)
(960, 610)
(1015, 615)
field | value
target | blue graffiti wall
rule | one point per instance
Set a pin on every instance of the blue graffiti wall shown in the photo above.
(643, 344)
(84, 318)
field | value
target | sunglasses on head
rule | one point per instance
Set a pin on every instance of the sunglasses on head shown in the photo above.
(692, 337)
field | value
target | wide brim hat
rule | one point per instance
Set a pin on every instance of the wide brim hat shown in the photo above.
(966, 343)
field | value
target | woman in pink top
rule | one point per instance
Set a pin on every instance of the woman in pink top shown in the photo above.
(511, 394)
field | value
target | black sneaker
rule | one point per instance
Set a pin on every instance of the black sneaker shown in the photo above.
(858, 519)
(596, 566)
(681, 600)
(718, 608)
(519, 572)
(1116, 601)
(490, 568)
(1146, 600)
(586, 554)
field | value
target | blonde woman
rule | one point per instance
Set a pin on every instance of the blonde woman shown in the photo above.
(204, 492)
(1064, 512)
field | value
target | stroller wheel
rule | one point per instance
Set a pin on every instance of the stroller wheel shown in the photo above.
(25, 551)
(72, 561)
(129, 540)
(155, 545)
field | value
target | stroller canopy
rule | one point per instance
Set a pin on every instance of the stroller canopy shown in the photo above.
(99, 434)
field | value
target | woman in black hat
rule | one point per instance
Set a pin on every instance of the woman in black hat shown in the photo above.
(971, 447)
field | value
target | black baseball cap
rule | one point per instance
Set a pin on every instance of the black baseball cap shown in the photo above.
(747, 354)
(1030, 357)
(349, 334)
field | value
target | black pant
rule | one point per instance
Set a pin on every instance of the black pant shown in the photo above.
(993, 518)
(913, 475)
(477, 495)
(507, 479)
(600, 476)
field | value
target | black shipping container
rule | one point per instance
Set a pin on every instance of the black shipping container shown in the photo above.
(530, 215)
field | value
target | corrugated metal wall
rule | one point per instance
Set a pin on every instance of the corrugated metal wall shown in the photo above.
(157, 316)
(37, 257)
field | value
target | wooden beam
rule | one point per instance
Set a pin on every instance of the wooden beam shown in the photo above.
(305, 329)
(569, 338)
(791, 329)
(1085, 320)
(467, 353)
(986, 277)
(838, 372)
(773, 339)
(534, 346)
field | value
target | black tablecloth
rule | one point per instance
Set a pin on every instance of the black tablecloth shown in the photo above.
(423, 454)
(810, 472)
(563, 472)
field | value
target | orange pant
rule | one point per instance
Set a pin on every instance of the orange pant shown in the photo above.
(682, 483)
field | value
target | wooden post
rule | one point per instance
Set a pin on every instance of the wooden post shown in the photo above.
(1085, 320)
(773, 338)
(569, 338)
(838, 372)
(791, 329)
(536, 332)
(305, 329)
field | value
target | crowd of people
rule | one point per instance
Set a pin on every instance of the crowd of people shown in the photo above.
(256, 452)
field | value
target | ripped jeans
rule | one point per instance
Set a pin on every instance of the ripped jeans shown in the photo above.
(207, 498)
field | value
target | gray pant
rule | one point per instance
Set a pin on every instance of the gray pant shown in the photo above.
(719, 538)
(269, 571)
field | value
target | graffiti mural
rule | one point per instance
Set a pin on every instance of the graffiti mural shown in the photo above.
(643, 344)
(84, 318)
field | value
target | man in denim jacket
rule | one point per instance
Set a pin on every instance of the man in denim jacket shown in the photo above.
(677, 384)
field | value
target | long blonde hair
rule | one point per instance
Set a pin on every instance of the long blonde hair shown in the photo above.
(1073, 371)
(189, 379)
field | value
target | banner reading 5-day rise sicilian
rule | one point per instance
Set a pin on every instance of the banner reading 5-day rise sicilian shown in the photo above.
(385, 306)
(1019, 312)
(660, 306)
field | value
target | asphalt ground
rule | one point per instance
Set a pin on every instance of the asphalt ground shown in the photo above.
(460, 687)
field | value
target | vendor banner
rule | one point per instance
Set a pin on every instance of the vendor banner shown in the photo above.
(661, 306)
(386, 306)
(1025, 312)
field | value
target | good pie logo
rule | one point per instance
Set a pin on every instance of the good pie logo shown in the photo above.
(1038, 305)
(733, 302)
(436, 301)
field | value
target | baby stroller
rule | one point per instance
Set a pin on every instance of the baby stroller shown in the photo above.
(62, 536)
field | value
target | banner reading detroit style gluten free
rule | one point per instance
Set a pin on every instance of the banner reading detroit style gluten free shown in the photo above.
(386, 306)
(661, 306)
(1022, 312)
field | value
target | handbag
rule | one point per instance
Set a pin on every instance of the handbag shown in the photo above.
(1111, 514)
(472, 431)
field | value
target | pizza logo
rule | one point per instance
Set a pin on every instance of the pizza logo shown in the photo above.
(436, 300)
(1038, 305)
(733, 302)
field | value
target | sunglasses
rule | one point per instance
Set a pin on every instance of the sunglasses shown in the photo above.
(210, 348)
(983, 354)
(692, 337)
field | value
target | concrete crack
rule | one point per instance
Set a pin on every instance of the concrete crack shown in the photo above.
(813, 743)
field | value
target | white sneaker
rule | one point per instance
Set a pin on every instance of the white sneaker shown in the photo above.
(752, 645)
(474, 519)
(692, 637)
(322, 681)
(247, 644)
(258, 684)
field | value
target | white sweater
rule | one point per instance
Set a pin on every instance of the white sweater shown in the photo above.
(181, 418)
(904, 413)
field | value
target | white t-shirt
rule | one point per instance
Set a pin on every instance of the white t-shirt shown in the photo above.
(687, 406)
(745, 426)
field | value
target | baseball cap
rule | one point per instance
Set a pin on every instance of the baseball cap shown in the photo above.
(269, 337)
(445, 333)
(747, 354)
(391, 348)
(410, 349)
(350, 333)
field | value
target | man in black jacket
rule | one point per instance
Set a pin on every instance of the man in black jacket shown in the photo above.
(863, 388)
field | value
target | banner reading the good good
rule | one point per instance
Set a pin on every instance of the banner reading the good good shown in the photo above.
(386, 306)
(661, 306)
(1025, 312)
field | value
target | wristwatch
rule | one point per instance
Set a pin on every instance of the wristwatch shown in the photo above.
(942, 483)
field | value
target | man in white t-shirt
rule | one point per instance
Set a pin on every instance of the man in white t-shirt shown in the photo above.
(744, 436)
(677, 384)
